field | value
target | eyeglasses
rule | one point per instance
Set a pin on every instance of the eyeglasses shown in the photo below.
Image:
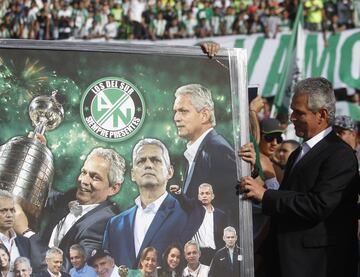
(271, 137)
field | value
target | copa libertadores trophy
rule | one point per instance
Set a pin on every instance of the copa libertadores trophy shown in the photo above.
(26, 164)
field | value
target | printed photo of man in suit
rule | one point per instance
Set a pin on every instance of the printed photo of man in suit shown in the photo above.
(54, 261)
(208, 221)
(80, 216)
(226, 261)
(210, 158)
(17, 245)
(157, 218)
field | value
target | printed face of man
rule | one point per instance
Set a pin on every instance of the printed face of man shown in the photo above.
(149, 263)
(22, 270)
(104, 266)
(93, 182)
(205, 195)
(230, 239)
(149, 168)
(54, 263)
(76, 259)
(188, 121)
(192, 255)
(7, 214)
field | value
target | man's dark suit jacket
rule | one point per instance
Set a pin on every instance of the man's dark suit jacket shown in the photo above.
(314, 223)
(88, 231)
(167, 227)
(23, 244)
(221, 265)
(45, 273)
(215, 164)
(196, 213)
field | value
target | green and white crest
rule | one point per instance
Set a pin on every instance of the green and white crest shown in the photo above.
(112, 109)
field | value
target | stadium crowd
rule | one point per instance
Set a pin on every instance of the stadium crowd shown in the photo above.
(167, 19)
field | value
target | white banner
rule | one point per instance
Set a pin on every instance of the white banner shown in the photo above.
(337, 61)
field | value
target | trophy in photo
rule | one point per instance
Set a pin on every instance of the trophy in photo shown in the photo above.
(26, 164)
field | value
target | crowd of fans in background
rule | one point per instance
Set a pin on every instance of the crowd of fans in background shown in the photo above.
(167, 19)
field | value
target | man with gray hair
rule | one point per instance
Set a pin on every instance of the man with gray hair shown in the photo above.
(226, 261)
(192, 255)
(78, 257)
(347, 129)
(83, 220)
(207, 221)
(54, 260)
(314, 213)
(157, 218)
(22, 267)
(209, 156)
(17, 245)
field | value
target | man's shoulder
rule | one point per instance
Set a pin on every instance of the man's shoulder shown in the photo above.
(64, 274)
(215, 145)
(221, 250)
(21, 239)
(124, 214)
(43, 273)
(219, 212)
(214, 138)
(336, 146)
(109, 206)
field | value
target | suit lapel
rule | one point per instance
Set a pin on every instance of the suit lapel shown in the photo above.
(87, 217)
(166, 208)
(289, 166)
(191, 170)
(129, 230)
(308, 157)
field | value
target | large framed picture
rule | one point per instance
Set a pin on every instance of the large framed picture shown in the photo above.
(136, 135)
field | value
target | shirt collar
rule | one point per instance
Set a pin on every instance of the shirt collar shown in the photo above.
(212, 209)
(3, 237)
(191, 149)
(82, 269)
(53, 275)
(314, 140)
(153, 206)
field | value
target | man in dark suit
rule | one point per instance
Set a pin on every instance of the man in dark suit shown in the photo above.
(54, 261)
(208, 222)
(226, 261)
(210, 157)
(157, 219)
(17, 245)
(314, 224)
(80, 216)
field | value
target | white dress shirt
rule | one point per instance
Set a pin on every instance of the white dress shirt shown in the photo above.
(191, 149)
(307, 145)
(53, 275)
(205, 235)
(201, 271)
(143, 219)
(11, 247)
(66, 223)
